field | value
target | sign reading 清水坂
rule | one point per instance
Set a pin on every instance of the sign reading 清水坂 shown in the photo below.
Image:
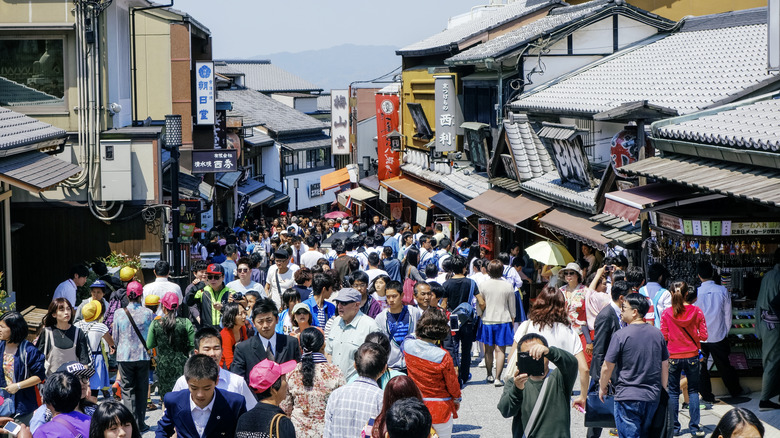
(205, 112)
(214, 161)
(387, 122)
(339, 122)
(447, 114)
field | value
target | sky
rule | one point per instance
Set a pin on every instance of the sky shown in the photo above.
(246, 28)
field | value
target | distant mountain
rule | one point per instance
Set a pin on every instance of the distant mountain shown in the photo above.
(338, 66)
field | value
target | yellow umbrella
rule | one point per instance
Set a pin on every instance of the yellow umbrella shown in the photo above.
(549, 253)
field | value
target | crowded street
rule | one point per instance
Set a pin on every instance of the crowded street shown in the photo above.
(471, 218)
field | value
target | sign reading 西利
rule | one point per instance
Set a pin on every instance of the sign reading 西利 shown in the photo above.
(447, 114)
(205, 112)
(339, 122)
(214, 161)
(387, 122)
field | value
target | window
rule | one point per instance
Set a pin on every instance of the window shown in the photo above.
(297, 161)
(32, 72)
(479, 104)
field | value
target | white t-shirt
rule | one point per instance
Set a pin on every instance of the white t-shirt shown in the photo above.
(309, 258)
(236, 286)
(286, 281)
(558, 335)
(374, 273)
(94, 331)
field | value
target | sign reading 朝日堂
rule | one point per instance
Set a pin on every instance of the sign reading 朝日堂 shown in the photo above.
(214, 161)
(204, 93)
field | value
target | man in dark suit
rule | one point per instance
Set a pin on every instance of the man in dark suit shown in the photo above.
(202, 410)
(606, 324)
(267, 344)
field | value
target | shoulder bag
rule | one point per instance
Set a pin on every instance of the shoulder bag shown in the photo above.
(537, 408)
(152, 360)
(273, 431)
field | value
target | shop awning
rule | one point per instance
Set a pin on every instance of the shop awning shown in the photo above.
(575, 226)
(35, 171)
(628, 204)
(358, 195)
(190, 186)
(416, 191)
(450, 203)
(334, 179)
(734, 179)
(279, 198)
(250, 187)
(370, 182)
(508, 210)
(260, 197)
(227, 179)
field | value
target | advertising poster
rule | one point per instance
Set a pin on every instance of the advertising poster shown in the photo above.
(387, 122)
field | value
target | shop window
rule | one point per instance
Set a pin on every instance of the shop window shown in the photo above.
(479, 104)
(32, 73)
(311, 159)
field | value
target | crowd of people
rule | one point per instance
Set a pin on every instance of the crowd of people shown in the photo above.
(373, 336)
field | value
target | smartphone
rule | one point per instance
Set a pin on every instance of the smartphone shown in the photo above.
(528, 365)
(609, 268)
(12, 428)
(454, 323)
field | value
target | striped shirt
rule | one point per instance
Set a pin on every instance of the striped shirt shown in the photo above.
(350, 407)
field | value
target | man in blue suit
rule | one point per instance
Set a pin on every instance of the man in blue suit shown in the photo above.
(202, 410)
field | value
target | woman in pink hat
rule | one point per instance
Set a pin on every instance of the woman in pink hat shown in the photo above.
(174, 339)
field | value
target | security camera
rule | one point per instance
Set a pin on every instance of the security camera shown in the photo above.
(114, 109)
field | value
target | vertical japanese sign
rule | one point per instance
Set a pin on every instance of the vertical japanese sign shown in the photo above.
(387, 122)
(220, 130)
(486, 233)
(204, 93)
(447, 120)
(339, 123)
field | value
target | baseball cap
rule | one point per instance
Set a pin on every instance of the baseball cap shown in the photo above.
(215, 269)
(170, 300)
(77, 369)
(300, 306)
(389, 231)
(267, 372)
(135, 289)
(98, 283)
(349, 295)
(281, 254)
(91, 310)
(152, 300)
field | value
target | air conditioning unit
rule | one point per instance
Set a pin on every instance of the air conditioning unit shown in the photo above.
(116, 171)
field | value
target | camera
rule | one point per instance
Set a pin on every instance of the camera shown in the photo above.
(528, 365)
(238, 296)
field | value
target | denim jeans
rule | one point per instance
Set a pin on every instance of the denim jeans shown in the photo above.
(633, 418)
(691, 367)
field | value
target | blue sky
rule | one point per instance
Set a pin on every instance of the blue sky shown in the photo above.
(245, 28)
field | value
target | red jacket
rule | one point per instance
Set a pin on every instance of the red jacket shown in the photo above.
(431, 368)
(678, 331)
(229, 344)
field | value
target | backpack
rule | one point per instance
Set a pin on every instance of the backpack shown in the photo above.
(258, 249)
(423, 263)
(113, 305)
(465, 310)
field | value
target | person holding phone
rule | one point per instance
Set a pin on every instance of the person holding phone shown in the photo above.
(537, 398)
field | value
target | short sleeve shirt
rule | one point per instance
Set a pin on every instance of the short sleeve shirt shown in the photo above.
(637, 352)
(456, 290)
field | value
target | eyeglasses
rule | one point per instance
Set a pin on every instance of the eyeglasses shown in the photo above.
(569, 273)
(358, 284)
(213, 277)
(242, 269)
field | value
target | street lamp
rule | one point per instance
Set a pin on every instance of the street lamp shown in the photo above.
(172, 140)
(366, 165)
(295, 186)
(395, 141)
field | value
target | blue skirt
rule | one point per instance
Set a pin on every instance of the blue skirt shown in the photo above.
(100, 379)
(500, 335)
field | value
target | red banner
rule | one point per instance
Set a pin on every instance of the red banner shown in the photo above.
(387, 122)
(486, 233)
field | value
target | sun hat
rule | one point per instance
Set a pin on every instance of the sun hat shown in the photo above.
(170, 300)
(91, 310)
(267, 372)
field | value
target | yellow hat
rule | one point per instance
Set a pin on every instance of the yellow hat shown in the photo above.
(91, 311)
(127, 273)
(152, 300)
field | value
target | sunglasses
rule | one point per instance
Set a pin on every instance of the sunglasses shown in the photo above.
(243, 269)
(569, 273)
(213, 277)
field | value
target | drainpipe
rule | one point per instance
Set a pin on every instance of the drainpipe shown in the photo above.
(135, 57)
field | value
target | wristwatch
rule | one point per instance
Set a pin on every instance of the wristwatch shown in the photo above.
(18, 387)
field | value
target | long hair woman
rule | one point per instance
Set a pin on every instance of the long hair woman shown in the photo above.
(409, 268)
(113, 420)
(174, 339)
(233, 331)
(310, 385)
(61, 342)
(399, 387)
(739, 423)
(684, 327)
(23, 366)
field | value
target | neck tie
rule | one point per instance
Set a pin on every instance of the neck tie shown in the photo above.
(270, 352)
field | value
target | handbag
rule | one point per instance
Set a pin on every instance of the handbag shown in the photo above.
(152, 360)
(273, 431)
(662, 425)
(408, 296)
(600, 413)
(511, 365)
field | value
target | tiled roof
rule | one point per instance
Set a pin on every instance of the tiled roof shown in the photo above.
(417, 163)
(323, 103)
(258, 138)
(510, 41)
(19, 130)
(15, 94)
(299, 143)
(753, 125)
(687, 71)
(466, 182)
(550, 187)
(449, 39)
(258, 109)
(36, 170)
(530, 155)
(267, 78)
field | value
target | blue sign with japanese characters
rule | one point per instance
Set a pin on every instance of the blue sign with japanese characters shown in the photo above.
(214, 161)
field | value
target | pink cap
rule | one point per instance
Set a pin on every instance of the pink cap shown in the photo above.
(267, 372)
(170, 300)
(135, 289)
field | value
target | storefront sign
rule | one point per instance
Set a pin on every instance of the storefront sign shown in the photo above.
(572, 163)
(383, 194)
(204, 93)
(669, 222)
(220, 130)
(755, 228)
(214, 161)
(397, 210)
(446, 228)
(447, 114)
(486, 232)
(695, 227)
(422, 216)
(339, 122)
(387, 122)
